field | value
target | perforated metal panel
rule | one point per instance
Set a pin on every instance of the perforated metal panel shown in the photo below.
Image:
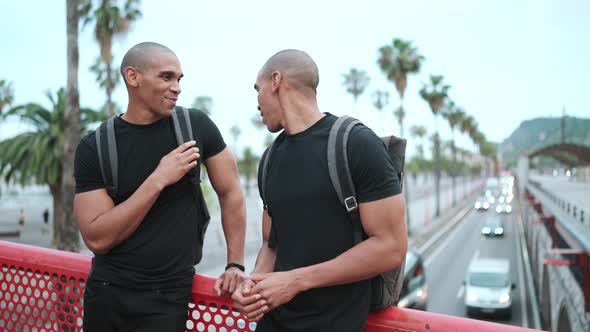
(36, 300)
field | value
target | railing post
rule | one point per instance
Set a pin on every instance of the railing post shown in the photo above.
(584, 266)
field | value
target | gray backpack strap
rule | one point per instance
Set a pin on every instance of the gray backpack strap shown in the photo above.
(106, 146)
(265, 165)
(340, 171)
(183, 131)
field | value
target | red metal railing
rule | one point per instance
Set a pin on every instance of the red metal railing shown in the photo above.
(42, 290)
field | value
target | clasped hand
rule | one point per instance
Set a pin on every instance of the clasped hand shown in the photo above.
(260, 293)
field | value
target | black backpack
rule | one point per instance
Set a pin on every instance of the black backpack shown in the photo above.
(386, 287)
(106, 145)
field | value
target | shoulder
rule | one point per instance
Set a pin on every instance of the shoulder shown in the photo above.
(361, 135)
(88, 142)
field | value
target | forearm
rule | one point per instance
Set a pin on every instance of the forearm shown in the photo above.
(365, 260)
(265, 261)
(233, 219)
(118, 223)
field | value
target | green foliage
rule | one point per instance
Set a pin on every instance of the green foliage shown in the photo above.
(204, 104)
(35, 156)
(397, 60)
(435, 93)
(380, 99)
(248, 165)
(6, 94)
(355, 82)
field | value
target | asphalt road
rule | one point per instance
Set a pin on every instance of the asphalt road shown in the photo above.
(447, 265)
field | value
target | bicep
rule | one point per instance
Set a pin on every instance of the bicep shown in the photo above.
(384, 218)
(88, 206)
(223, 172)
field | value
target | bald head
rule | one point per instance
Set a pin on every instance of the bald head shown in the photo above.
(297, 67)
(140, 56)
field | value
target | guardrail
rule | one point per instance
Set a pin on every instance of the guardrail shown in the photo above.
(571, 209)
(42, 289)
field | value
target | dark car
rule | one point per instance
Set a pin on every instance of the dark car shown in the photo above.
(414, 292)
(493, 227)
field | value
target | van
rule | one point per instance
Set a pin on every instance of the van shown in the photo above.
(488, 287)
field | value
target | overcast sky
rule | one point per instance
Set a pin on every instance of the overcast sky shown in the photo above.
(507, 61)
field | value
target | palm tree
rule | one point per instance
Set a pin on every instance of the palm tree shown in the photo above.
(107, 82)
(435, 93)
(248, 166)
(419, 132)
(203, 103)
(397, 60)
(6, 94)
(110, 20)
(380, 99)
(235, 133)
(67, 238)
(37, 156)
(355, 82)
(453, 114)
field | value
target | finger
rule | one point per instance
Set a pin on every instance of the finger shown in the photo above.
(256, 319)
(182, 147)
(258, 277)
(254, 307)
(232, 284)
(258, 312)
(226, 282)
(247, 288)
(216, 288)
(190, 157)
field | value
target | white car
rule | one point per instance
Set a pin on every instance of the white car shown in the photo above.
(503, 208)
(488, 287)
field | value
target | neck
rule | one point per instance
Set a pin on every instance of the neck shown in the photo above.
(139, 114)
(300, 113)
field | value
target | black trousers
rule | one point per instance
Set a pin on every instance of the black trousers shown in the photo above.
(108, 308)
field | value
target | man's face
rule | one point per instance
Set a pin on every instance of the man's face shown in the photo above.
(159, 83)
(268, 103)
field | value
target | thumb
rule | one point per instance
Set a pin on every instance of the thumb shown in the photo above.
(258, 277)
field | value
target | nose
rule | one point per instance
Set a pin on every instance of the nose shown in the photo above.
(176, 88)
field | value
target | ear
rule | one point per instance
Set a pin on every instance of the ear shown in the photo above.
(131, 76)
(276, 80)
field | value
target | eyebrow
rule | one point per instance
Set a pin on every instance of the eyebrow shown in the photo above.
(170, 73)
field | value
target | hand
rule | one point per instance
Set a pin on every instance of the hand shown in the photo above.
(251, 305)
(228, 281)
(175, 164)
(276, 288)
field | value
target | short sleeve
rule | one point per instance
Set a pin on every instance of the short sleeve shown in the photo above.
(372, 170)
(207, 133)
(86, 166)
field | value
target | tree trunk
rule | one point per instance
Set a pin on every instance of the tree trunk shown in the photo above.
(55, 190)
(436, 168)
(68, 228)
(109, 86)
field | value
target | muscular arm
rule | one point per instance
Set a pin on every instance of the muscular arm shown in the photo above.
(104, 225)
(385, 248)
(223, 173)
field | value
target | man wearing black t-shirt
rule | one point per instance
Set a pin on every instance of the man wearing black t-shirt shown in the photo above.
(309, 275)
(148, 238)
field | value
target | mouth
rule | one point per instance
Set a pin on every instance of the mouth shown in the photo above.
(172, 101)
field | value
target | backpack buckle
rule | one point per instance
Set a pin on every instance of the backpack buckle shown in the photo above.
(350, 204)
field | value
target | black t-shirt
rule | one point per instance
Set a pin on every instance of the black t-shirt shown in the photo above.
(310, 226)
(167, 244)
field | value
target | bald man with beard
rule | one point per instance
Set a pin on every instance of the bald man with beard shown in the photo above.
(309, 274)
(147, 239)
